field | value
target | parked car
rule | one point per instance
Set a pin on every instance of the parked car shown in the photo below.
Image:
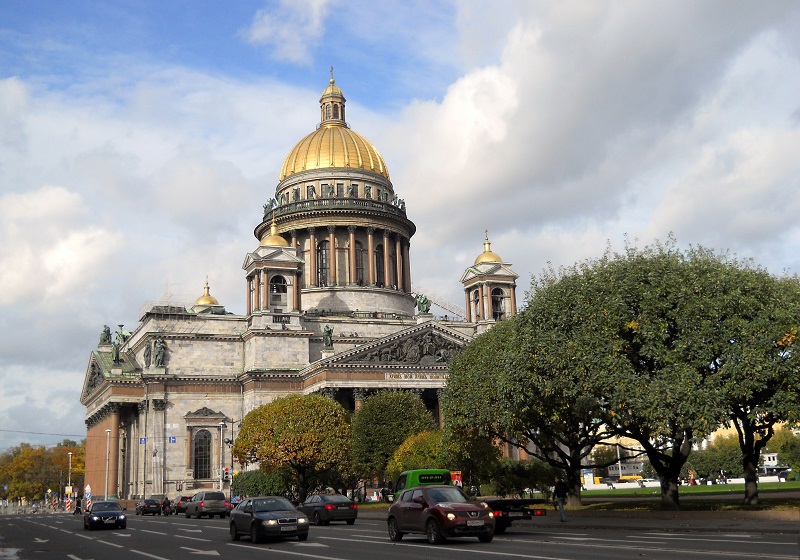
(324, 508)
(105, 514)
(145, 507)
(179, 505)
(439, 512)
(268, 517)
(207, 504)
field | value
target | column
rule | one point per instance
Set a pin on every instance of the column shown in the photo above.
(113, 458)
(387, 281)
(513, 290)
(332, 268)
(247, 285)
(468, 304)
(358, 396)
(257, 288)
(312, 258)
(487, 301)
(407, 267)
(398, 252)
(371, 255)
(264, 290)
(352, 231)
(296, 292)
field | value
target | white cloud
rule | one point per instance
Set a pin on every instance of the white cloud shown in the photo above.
(290, 29)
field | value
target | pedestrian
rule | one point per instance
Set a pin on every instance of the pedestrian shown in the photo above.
(560, 492)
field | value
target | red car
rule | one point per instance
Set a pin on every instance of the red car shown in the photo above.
(439, 512)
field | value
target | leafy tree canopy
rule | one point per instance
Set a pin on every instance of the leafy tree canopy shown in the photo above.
(384, 421)
(307, 434)
(419, 451)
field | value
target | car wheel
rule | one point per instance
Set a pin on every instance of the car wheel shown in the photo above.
(433, 532)
(394, 530)
(302, 537)
(351, 521)
(486, 538)
(254, 538)
(500, 528)
(317, 519)
(234, 534)
(123, 526)
(187, 514)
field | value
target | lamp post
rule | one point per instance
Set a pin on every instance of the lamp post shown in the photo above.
(69, 476)
(108, 456)
(230, 441)
(221, 454)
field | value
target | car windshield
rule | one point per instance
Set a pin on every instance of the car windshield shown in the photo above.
(272, 504)
(214, 496)
(450, 494)
(106, 506)
(337, 499)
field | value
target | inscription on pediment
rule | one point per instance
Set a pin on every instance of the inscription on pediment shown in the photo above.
(423, 348)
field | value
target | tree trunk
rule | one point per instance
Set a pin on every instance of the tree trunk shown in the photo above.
(750, 464)
(669, 494)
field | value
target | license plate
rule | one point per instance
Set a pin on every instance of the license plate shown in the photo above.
(109, 521)
(474, 522)
(289, 528)
(515, 514)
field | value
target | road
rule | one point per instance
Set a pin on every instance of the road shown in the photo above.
(61, 536)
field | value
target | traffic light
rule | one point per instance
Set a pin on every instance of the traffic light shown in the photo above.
(226, 474)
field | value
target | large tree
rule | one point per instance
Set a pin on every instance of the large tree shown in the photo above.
(384, 421)
(529, 382)
(307, 434)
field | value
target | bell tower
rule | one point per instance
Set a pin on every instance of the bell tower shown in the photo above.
(489, 289)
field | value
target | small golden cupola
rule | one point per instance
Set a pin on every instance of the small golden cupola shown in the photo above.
(207, 303)
(273, 239)
(488, 255)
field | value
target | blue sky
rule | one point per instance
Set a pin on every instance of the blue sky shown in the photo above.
(139, 141)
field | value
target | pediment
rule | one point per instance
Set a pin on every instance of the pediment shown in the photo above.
(481, 270)
(94, 378)
(204, 412)
(427, 344)
(277, 255)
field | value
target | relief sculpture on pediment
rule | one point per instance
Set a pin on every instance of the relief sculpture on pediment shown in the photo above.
(95, 378)
(422, 348)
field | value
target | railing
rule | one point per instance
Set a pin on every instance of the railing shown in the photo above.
(334, 203)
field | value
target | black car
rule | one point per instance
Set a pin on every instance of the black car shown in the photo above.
(271, 517)
(152, 507)
(105, 514)
(324, 508)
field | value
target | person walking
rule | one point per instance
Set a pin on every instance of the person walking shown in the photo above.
(561, 491)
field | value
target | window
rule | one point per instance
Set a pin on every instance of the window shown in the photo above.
(393, 269)
(476, 304)
(336, 111)
(498, 304)
(328, 111)
(277, 290)
(323, 258)
(202, 454)
(379, 278)
(339, 190)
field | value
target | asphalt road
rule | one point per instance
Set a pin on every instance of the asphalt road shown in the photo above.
(61, 536)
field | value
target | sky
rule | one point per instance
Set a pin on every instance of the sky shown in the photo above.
(140, 139)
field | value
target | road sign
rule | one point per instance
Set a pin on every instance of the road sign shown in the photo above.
(142, 441)
(173, 439)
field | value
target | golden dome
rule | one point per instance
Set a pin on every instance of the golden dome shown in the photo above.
(273, 239)
(206, 298)
(333, 144)
(488, 255)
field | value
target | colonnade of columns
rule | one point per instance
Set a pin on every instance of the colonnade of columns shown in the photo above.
(257, 296)
(483, 301)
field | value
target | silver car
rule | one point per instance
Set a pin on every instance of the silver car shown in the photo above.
(207, 504)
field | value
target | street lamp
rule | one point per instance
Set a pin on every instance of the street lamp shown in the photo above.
(108, 456)
(69, 483)
(221, 454)
(230, 441)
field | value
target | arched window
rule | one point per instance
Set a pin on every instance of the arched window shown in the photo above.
(202, 454)
(476, 304)
(323, 258)
(379, 278)
(328, 111)
(277, 291)
(336, 111)
(498, 304)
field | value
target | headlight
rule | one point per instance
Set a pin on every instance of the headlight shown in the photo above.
(270, 522)
(95, 518)
(121, 518)
(491, 514)
(301, 520)
(451, 516)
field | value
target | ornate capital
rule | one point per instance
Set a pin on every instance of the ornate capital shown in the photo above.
(352, 229)
(329, 392)
(360, 394)
(159, 404)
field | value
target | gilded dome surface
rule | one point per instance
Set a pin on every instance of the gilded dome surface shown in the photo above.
(333, 144)
(488, 255)
(273, 239)
(206, 298)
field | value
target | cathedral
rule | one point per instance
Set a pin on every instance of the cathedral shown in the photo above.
(329, 309)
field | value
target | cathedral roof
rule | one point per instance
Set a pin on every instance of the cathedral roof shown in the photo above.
(333, 145)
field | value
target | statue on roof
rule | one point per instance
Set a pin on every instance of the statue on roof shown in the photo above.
(423, 303)
(327, 336)
(105, 336)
